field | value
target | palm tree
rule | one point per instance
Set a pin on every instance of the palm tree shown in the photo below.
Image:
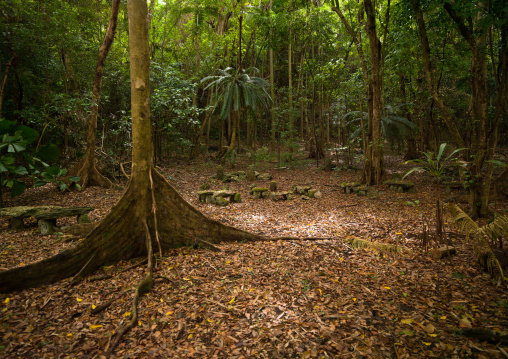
(236, 92)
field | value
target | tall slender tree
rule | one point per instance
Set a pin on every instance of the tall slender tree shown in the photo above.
(88, 173)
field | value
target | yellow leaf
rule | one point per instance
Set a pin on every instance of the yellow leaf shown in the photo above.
(433, 335)
(4, 310)
(95, 326)
(126, 314)
(398, 233)
(227, 262)
(94, 306)
(249, 269)
(232, 300)
(354, 299)
(22, 264)
(69, 335)
(427, 343)
(187, 279)
(169, 313)
(320, 293)
(139, 323)
(406, 321)
(443, 317)
(250, 290)
(162, 300)
(79, 299)
(190, 336)
(386, 287)
(209, 320)
(7, 300)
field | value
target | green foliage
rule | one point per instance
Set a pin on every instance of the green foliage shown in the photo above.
(14, 149)
(394, 128)
(435, 166)
(238, 91)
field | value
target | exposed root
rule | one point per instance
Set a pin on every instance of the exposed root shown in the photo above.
(89, 175)
(123, 169)
(154, 211)
(144, 287)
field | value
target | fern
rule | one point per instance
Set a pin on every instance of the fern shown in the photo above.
(480, 236)
(359, 243)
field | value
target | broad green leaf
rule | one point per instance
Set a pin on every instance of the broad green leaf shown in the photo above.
(48, 153)
(39, 183)
(20, 170)
(29, 134)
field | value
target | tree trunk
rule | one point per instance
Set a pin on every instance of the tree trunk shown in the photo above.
(149, 201)
(373, 168)
(88, 173)
(8, 66)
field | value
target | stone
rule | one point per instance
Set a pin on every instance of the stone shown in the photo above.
(45, 215)
(273, 186)
(219, 173)
(394, 185)
(305, 198)
(47, 226)
(204, 187)
(83, 218)
(315, 193)
(230, 178)
(250, 173)
(265, 194)
(202, 195)
(237, 198)
(264, 176)
(220, 201)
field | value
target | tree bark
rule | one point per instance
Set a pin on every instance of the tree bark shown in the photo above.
(88, 173)
(8, 66)
(373, 168)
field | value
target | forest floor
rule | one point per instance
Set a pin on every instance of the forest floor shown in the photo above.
(273, 299)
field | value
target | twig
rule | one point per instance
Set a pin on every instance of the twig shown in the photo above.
(99, 277)
(101, 307)
(134, 265)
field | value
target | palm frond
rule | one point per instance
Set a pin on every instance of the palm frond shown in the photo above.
(481, 246)
(359, 243)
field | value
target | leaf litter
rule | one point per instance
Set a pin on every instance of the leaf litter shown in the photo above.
(317, 298)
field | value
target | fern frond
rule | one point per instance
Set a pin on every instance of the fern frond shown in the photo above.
(482, 248)
(359, 243)
(460, 217)
(498, 228)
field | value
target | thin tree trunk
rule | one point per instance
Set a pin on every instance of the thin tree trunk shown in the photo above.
(373, 170)
(12, 62)
(88, 173)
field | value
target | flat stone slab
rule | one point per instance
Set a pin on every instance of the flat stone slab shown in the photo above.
(399, 186)
(44, 212)
(45, 215)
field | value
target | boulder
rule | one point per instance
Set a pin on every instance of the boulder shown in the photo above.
(264, 176)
